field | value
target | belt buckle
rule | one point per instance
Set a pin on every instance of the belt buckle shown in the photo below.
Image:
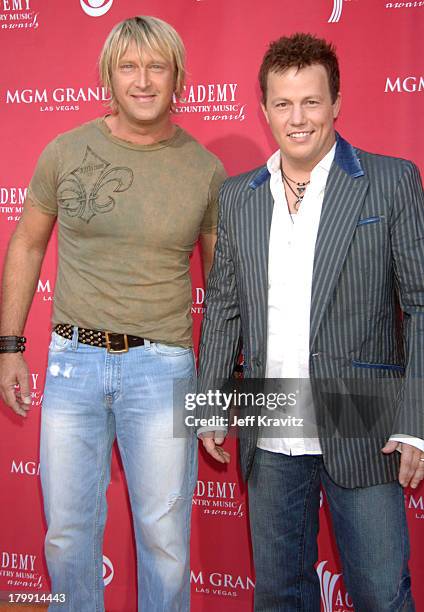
(110, 349)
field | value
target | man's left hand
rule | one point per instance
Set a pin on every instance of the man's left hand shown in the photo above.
(411, 466)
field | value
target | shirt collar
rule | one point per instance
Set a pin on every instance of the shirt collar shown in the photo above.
(274, 162)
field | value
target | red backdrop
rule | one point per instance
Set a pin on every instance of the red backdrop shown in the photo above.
(49, 84)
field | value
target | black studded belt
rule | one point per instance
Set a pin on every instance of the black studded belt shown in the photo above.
(114, 343)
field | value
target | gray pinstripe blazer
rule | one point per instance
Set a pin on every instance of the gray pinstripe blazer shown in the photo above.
(369, 260)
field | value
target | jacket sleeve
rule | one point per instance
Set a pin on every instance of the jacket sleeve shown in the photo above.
(221, 328)
(407, 239)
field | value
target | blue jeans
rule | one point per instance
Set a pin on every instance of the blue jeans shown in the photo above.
(92, 397)
(369, 525)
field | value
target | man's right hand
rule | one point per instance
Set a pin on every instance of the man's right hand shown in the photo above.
(212, 441)
(14, 372)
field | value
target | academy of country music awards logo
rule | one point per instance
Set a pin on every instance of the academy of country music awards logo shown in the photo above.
(405, 5)
(19, 572)
(219, 499)
(18, 15)
(220, 584)
(36, 397)
(338, 7)
(57, 99)
(197, 302)
(337, 10)
(211, 102)
(333, 596)
(36, 392)
(11, 202)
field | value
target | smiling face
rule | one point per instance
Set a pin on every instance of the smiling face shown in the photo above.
(143, 87)
(301, 115)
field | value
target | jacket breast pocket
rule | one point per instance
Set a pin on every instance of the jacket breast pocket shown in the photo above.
(370, 245)
(387, 367)
(371, 220)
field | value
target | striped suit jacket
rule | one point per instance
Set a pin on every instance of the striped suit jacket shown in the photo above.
(369, 261)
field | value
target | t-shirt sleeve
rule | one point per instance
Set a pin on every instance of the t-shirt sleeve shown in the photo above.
(42, 190)
(210, 220)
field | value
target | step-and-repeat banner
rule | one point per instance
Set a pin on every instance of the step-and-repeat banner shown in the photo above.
(48, 85)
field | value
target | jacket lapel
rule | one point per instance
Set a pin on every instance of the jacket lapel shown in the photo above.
(257, 210)
(255, 218)
(344, 195)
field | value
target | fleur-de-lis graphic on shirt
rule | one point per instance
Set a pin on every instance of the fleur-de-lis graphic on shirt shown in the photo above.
(87, 190)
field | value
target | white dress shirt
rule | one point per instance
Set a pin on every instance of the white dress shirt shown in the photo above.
(290, 267)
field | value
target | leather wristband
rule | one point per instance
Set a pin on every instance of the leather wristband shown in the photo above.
(12, 344)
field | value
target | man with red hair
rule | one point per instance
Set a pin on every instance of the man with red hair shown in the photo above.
(315, 252)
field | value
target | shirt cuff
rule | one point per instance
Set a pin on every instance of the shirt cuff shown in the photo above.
(417, 442)
(206, 429)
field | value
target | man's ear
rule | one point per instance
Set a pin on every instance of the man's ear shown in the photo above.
(265, 112)
(336, 106)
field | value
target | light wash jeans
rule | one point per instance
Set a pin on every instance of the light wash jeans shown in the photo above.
(92, 397)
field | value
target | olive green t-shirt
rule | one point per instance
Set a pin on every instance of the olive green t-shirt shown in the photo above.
(128, 216)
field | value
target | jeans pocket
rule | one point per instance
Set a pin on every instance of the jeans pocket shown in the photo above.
(59, 344)
(170, 351)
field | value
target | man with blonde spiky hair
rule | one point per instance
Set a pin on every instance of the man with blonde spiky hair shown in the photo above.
(131, 192)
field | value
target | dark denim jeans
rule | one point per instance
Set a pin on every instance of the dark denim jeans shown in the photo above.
(369, 525)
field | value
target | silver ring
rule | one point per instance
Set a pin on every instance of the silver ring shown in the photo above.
(421, 458)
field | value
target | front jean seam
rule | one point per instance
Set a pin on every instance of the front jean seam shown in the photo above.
(402, 568)
(96, 527)
(118, 377)
(188, 500)
(138, 533)
(303, 537)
